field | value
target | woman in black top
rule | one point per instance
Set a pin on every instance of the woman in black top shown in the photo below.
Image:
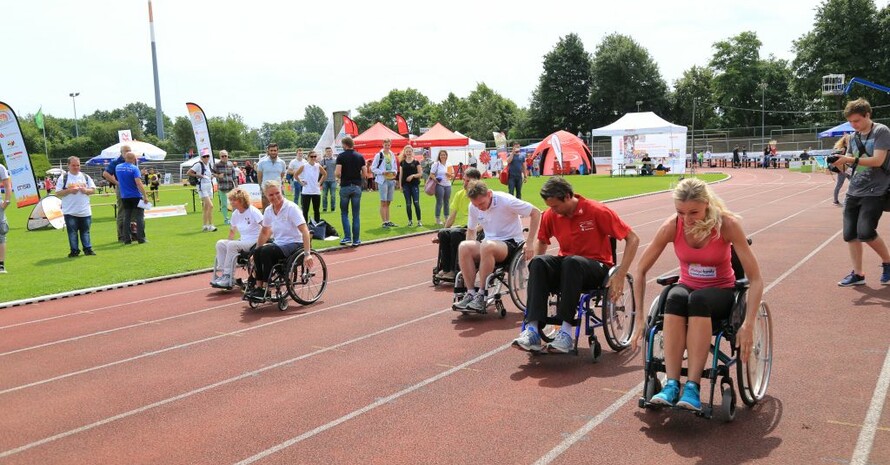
(409, 176)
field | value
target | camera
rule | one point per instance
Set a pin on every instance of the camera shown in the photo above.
(832, 159)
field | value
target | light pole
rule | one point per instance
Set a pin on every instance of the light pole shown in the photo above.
(639, 102)
(762, 86)
(73, 102)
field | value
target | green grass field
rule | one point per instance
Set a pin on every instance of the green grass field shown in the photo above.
(38, 264)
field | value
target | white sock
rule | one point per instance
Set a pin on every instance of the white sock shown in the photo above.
(567, 327)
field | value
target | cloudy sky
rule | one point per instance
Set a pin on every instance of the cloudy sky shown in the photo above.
(266, 60)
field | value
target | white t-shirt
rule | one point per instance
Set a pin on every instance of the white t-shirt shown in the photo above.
(294, 165)
(77, 204)
(285, 225)
(203, 174)
(501, 221)
(248, 223)
(271, 169)
(310, 177)
(440, 172)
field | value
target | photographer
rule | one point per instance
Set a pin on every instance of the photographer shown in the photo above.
(869, 181)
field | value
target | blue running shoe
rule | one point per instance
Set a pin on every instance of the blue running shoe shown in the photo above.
(345, 241)
(668, 396)
(852, 279)
(691, 399)
(885, 276)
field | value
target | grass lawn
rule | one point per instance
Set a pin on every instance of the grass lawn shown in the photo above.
(38, 264)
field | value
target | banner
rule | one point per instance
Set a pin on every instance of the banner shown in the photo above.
(47, 213)
(668, 149)
(256, 195)
(165, 211)
(402, 125)
(24, 183)
(349, 126)
(124, 136)
(202, 133)
(500, 140)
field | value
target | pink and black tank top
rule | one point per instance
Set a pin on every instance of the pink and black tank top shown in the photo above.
(708, 266)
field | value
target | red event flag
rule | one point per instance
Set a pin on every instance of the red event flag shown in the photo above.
(349, 126)
(402, 125)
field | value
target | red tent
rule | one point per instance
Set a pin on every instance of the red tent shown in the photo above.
(574, 153)
(440, 136)
(370, 142)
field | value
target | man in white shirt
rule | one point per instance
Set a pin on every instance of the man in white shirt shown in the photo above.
(500, 215)
(75, 188)
(296, 183)
(472, 160)
(385, 167)
(201, 170)
(270, 168)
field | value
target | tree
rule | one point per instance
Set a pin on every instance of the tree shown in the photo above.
(695, 84)
(449, 112)
(848, 37)
(779, 78)
(486, 111)
(415, 107)
(314, 119)
(183, 136)
(624, 73)
(228, 133)
(737, 76)
(307, 140)
(562, 98)
(285, 137)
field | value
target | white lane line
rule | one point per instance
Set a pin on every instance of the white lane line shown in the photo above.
(369, 407)
(634, 392)
(89, 311)
(870, 427)
(365, 257)
(201, 341)
(208, 387)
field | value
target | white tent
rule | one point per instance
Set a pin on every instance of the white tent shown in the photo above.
(637, 133)
(460, 154)
(141, 149)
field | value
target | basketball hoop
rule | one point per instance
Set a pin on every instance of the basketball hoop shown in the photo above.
(833, 84)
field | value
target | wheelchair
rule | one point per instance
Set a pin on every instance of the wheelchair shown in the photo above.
(512, 274)
(290, 278)
(617, 318)
(753, 377)
(242, 271)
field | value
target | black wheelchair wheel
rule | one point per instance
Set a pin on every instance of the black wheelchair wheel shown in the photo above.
(753, 377)
(518, 278)
(306, 284)
(727, 406)
(618, 317)
(652, 387)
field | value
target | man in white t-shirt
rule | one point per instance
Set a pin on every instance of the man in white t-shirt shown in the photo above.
(201, 170)
(292, 167)
(6, 186)
(500, 215)
(75, 189)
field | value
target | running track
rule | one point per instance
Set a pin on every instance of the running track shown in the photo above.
(382, 371)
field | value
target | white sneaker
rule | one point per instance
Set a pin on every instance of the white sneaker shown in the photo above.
(478, 303)
(211, 228)
(562, 343)
(462, 304)
(204, 228)
(529, 340)
(225, 281)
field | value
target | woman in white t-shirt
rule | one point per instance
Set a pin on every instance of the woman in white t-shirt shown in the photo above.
(283, 220)
(246, 221)
(201, 170)
(75, 188)
(439, 172)
(308, 176)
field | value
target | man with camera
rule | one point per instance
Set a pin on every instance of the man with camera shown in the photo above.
(870, 179)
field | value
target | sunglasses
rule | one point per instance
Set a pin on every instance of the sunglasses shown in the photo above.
(313, 156)
(205, 156)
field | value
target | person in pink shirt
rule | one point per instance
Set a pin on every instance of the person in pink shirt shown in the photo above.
(702, 231)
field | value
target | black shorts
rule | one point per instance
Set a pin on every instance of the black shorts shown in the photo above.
(512, 247)
(708, 302)
(861, 216)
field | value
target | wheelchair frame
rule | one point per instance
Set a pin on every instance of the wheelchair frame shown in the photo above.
(241, 272)
(291, 283)
(512, 275)
(751, 386)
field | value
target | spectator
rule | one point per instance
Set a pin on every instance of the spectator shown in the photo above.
(349, 172)
(307, 175)
(439, 171)
(129, 181)
(249, 172)
(75, 189)
(410, 172)
(201, 170)
(226, 180)
(6, 187)
(329, 186)
(270, 168)
(646, 165)
(246, 221)
(154, 183)
(536, 166)
(517, 173)
(292, 168)
(472, 161)
(385, 168)
(426, 164)
(450, 236)
(736, 162)
(840, 148)
(123, 231)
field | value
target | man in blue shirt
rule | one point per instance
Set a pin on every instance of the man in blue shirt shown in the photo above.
(129, 182)
(517, 171)
(109, 176)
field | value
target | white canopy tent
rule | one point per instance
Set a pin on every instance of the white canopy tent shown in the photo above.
(141, 149)
(460, 154)
(635, 134)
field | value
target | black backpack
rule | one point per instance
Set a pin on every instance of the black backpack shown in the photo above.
(193, 180)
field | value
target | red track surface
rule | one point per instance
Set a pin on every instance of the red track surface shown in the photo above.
(381, 371)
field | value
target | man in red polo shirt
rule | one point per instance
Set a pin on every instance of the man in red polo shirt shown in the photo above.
(583, 229)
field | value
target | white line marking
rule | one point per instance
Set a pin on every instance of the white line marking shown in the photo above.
(211, 386)
(365, 257)
(580, 433)
(369, 407)
(867, 434)
(200, 341)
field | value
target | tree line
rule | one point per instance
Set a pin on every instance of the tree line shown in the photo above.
(577, 91)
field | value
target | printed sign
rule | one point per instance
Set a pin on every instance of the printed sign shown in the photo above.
(18, 163)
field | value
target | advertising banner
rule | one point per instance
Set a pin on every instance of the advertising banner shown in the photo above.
(202, 133)
(666, 149)
(21, 173)
(124, 136)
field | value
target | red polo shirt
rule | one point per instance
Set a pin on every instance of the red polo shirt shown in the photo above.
(586, 233)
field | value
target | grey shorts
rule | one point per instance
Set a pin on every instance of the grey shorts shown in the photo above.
(4, 228)
(387, 190)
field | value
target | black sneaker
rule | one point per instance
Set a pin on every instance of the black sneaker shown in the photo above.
(74, 253)
(88, 252)
(2, 268)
